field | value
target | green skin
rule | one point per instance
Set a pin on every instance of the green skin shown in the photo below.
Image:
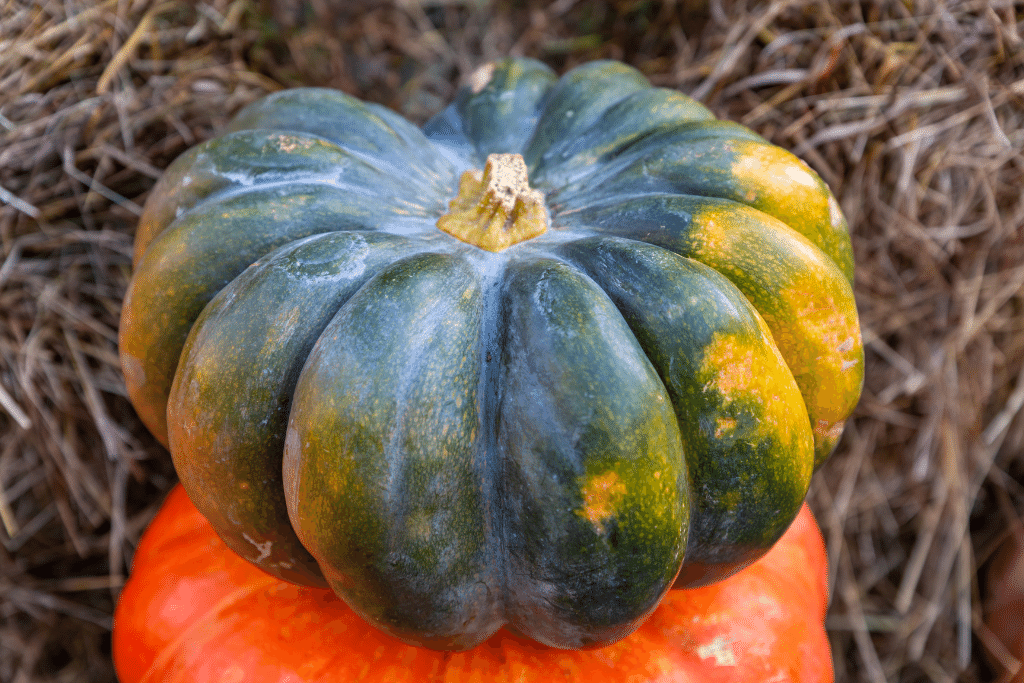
(547, 438)
(267, 318)
(798, 290)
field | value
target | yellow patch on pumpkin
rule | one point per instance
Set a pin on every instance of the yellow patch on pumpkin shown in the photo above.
(602, 495)
(749, 370)
(831, 335)
(776, 167)
(729, 365)
(787, 188)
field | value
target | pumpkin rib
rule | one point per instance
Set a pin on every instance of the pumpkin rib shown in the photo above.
(311, 185)
(301, 107)
(606, 478)
(496, 122)
(161, 206)
(314, 160)
(632, 153)
(738, 406)
(415, 183)
(577, 100)
(379, 474)
(227, 423)
(631, 119)
(196, 177)
(363, 128)
(800, 293)
(716, 159)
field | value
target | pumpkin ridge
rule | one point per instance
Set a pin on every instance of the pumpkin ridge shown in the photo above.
(583, 577)
(734, 437)
(245, 159)
(285, 159)
(226, 423)
(636, 116)
(201, 181)
(362, 127)
(380, 469)
(588, 180)
(800, 292)
(499, 128)
(384, 166)
(745, 169)
(239, 191)
(315, 179)
(589, 188)
(585, 92)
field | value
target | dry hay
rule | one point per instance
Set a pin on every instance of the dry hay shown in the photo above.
(911, 112)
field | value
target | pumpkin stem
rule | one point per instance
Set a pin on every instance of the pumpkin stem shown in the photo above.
(495, 208)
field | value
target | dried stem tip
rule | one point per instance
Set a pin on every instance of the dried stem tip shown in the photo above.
(496, 208)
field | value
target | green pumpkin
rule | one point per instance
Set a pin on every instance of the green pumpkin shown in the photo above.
(573, 343)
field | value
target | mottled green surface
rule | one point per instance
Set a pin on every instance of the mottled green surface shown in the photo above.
(742, 419)
(590, 480)
(801, 294)
(549, 436)
(498, 113)
(229, 405)
(383, 457)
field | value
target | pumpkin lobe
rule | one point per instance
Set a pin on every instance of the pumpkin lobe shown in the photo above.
(495, 208)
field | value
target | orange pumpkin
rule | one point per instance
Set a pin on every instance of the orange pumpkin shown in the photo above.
(194, 611)
(1004, 605)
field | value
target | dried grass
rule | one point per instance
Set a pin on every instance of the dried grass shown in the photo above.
(911, 112)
